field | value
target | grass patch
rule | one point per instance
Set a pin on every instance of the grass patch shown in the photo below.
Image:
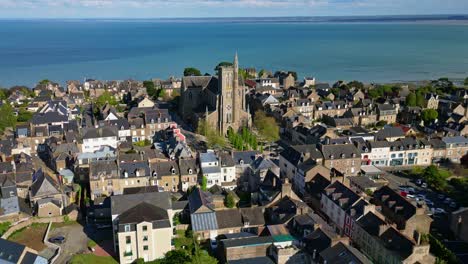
(30, 236)
(90, 258)
(4, 227)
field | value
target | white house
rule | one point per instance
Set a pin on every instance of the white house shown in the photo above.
(96, 138)
(210, 168)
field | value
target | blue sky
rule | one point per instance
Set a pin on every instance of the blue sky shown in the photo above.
(222, 8)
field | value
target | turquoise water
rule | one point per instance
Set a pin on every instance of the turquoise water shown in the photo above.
(74, 50)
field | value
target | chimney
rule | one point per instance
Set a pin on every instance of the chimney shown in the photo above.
(286, 189)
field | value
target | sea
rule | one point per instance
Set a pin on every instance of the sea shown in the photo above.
(369, 49)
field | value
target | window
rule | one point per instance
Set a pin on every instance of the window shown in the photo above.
(145, 228)
(127, 228)
(145, 238)
(145, 248)
(128, 240)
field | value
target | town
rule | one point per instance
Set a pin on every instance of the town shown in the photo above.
(239, 166)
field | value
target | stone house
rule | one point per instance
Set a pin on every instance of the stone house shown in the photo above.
(387, 113)
(345, 158)
(408, 217)
(189, 170)
(167, 174)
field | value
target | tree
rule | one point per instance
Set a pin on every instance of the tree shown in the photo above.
(229, 200)
(204, 183)
(150, 89)
(7, 117)
(213, 138)
(411, 99)
(192, 72)
(177, 256)
(266, 126)
(106, 98)
(294, 74)
(223, 64)
(202, 257)
(24, 115)
(356, 84)
(44, 82)
(436, 178)
(466, 81)
(429, 115)
(261, 72)
(420, 100)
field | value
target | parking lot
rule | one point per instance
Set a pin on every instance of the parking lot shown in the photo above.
(424, 195)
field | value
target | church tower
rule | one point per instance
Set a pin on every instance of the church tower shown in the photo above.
(230, 103)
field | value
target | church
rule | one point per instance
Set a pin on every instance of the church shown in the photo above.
(220, 100)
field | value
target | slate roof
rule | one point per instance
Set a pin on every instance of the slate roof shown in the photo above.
(247, 241)
(248, 157)
(386, 195)
(188, 164)
(131, 169)
(165, 168)
(48, 117)
(10, 252)
(226, 160)
(200, 201)
(122, 203)
(143, 212)
(343, 254)
(256, 260)
(43, 185)
(344, 151)
(371, 223)
(230, 218)
(389, 132)
(293, 154)
(201, 82)
(105, 167)
(100, 132)
(253, 216)
(397, 242)
(341, 195)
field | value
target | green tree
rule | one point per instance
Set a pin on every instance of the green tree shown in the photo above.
(202, 257)
(4, 93)
(24, 115)
(44, 82)
(436, 178)
(177, 256)
(411, 99)
(7, 117)
(294, 74)
(192, 72)
(204, 183)
(356, 84)
(106, 98)
(420, 100)
(150, 88)
(429, 115)
(223, 64)
(466, 81)
(266, 126)
(213, 138)
(229, 201)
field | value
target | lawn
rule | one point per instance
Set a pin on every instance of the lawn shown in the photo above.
(90, 258)
(30, 236)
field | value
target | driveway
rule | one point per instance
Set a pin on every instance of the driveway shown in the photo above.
(76, 240)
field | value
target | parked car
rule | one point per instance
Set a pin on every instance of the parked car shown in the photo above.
(429, 203)
(103, 226)
(410, 196)
(213, 244)
(440, 196)
(447, 200)
(453, 205)
(439, 211)
(419, 181)
(57, 240)
(424, 185)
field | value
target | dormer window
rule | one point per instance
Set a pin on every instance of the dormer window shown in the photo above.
(190, 171)
(343, 156)
(332, 156)
(173, 171)
(125, 174)
(354, 155)
(137, 173)
(154, 174)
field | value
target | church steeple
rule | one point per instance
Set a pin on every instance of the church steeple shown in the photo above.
(236, 63)
(235, 90)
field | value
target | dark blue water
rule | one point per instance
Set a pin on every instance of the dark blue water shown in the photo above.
(73, 50)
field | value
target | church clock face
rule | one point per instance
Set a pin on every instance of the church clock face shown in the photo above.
(228, 107)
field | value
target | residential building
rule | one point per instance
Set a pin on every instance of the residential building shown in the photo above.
(96, 138)
(345, 158)
(189, 170)
(407, 216)
(387, 113)
(14, 253)
(142, 225)
(456, 147)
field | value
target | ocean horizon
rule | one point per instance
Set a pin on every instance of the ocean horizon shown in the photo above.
(365, 48)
